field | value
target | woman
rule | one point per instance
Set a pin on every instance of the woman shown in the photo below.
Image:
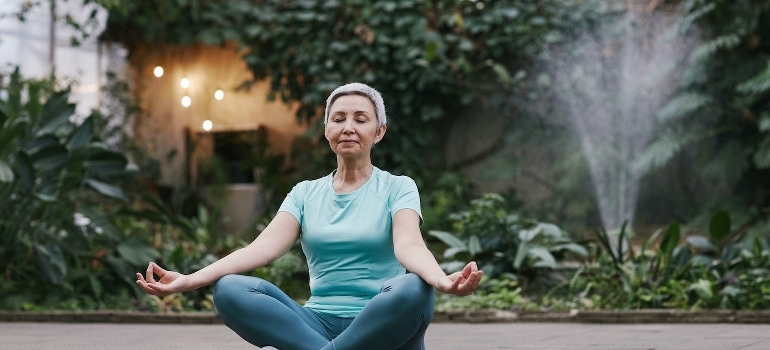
(372, 278)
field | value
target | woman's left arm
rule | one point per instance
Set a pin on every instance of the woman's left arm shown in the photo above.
(415, 256)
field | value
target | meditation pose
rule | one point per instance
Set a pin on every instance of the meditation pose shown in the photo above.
(372, 278)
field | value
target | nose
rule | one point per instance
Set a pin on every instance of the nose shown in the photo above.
(348, 127)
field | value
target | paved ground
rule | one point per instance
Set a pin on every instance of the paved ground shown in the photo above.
(441, 336)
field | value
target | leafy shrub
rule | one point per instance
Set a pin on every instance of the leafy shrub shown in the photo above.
(504, 243)
(720, 270)
(497, 294)
(57, 190)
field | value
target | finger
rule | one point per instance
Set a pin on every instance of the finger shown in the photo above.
(452, 285)
(150, 275)
(473, 281)
(467, 269)
(158, 270)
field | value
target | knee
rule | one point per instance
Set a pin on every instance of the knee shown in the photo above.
(228, 290)
(413, 293)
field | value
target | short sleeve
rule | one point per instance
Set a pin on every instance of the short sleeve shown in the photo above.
(405, 196)
(293, 203)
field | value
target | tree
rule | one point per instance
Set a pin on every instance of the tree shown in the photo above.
(432, 60)
(719, 120)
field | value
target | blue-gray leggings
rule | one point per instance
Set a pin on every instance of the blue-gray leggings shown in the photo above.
(264, 315)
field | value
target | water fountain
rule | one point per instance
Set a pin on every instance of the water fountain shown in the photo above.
(611, 80)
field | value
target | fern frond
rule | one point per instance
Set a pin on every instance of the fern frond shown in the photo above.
(683, 105)
(757, 84)
(659, 153)
(764, 121)
(692, 16)
(695, 73)
(724, 42)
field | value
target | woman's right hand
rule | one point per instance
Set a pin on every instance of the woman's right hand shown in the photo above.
(170, 281)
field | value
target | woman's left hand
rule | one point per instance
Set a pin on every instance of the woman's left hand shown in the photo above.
(462, 282)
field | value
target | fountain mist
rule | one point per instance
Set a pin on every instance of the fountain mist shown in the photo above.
(611, 80)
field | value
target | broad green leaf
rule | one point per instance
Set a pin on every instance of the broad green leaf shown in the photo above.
(570, 247)
(96, 286)
(521, 254)
(701, 243)
(50, 260)
(452, 251)
(550, 230)
(47, 190)
(40, 142)
(474, 245)
(452, 266)
(137, 253)
(6, 173)
(26, 170)
(502, 73)
(528, 235)
(82, 134)
(543, 258)
(55, 113)
(106, 163)
(449, 239)
(719, 226)
(670, 239)
(50, 157)
(101, 220)
(13, 134)
(105, 189)
(703, 288)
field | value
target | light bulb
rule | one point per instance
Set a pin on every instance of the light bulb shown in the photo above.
(185, 83)
(186, 101)
(158, 71)
(207, 124)
(219, 95)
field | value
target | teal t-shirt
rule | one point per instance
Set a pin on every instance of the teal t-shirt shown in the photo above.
(347, 238)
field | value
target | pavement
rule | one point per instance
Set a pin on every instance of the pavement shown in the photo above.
(440, 336)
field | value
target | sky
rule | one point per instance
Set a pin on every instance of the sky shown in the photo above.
(27, 45)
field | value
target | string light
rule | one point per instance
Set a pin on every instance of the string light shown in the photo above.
(219, 95)
(158, 71)
(207, 124)
(185, 83)
(186, 101)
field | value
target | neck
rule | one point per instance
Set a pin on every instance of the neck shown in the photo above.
(349, 178)
(353, 173)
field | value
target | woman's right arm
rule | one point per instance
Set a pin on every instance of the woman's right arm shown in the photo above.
(274, 241)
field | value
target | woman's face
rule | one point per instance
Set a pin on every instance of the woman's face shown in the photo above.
(352, 126)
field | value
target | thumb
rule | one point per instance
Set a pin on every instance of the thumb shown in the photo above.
(158, 270)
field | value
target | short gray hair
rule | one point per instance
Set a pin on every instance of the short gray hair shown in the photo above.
(362, 90)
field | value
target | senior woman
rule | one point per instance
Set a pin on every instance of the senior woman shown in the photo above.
(372, 278)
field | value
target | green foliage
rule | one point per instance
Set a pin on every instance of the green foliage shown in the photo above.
(497, 294)
(716, 122)
(431, 60)
(721, 270)
(57, 191)
(503, 243)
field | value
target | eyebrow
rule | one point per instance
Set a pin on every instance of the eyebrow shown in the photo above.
(358, 112)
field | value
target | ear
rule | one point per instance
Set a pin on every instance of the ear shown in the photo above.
(380, 133)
